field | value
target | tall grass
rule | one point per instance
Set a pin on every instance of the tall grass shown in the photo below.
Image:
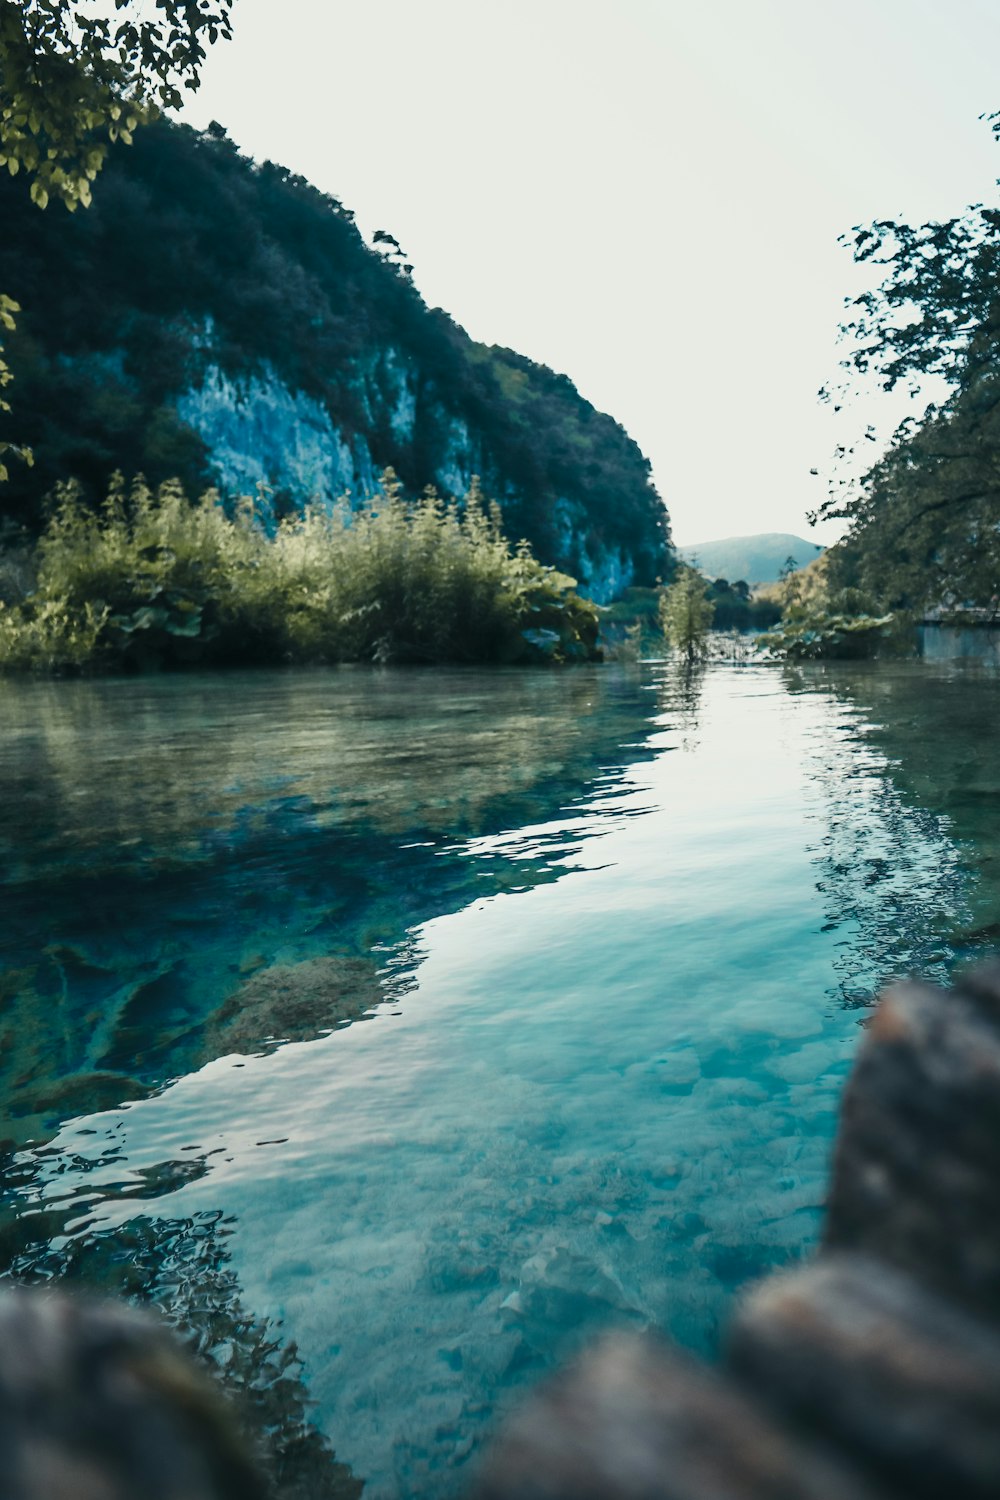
(150, 580)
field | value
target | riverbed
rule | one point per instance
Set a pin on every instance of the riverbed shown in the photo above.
(438, 1020)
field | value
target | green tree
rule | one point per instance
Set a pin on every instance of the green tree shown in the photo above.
(8, 307)
(72, 83)
(925, 517)
(686, 614)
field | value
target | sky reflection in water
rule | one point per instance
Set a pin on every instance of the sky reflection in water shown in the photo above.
(617, 929)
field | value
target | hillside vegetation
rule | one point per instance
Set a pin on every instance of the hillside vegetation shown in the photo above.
(193, 257)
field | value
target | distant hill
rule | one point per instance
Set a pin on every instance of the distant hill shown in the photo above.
(755, 559)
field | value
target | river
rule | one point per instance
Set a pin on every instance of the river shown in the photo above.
(433, 1021)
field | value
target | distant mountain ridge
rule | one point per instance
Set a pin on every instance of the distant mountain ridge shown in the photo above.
(756, 559)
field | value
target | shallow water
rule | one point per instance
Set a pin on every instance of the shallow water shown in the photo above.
(611, 933)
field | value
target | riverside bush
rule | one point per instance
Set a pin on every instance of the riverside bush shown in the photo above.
(152, 581)
(822, 622)
(811, 633)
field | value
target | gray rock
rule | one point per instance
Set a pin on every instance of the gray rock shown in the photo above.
(866, 1358)
(918, 1153)
(634, 1421)
(98, 1403)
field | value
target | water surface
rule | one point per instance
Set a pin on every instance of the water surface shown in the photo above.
(461, 1014)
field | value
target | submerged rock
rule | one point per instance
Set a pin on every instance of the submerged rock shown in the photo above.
(293, 1002)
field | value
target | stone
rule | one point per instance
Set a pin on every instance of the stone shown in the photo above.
(293, 1002)
(98, 1403)
(637, 1421)
(869, 1360)
(917, 1161)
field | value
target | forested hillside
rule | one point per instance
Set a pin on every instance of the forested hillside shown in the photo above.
(213, 319)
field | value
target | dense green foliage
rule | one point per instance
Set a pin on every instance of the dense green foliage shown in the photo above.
(686, 613)
(818, 619)
(735, 608)
(8, 448)
(808, 632)
(925, 519)
(634, 624)
(72, 81)
(151, 581)
(192, 255)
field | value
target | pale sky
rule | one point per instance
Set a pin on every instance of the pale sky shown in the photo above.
(643, 194)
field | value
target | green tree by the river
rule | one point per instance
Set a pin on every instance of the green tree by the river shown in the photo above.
(925, 519)
(150, 581)
(686, 613)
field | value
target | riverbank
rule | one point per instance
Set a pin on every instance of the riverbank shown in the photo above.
(151, 582)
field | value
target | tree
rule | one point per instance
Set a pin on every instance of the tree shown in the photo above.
(686, 614)
(924, 518)
(71, 83)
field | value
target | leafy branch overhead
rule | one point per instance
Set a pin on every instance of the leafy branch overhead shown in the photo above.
(8, 307)
(72, 82)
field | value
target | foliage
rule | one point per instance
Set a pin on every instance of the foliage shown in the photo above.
(152, 581)
(686, 613)
(8, 307)
(192, 255)
(819, 620)
(808, 585)
(630, 627)
(809, 632)
(735, 608)
(925, 519)
(72, 82)
(636, 617)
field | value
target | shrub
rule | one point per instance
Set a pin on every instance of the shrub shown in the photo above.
(686, 613)
(150, 580)
(811, 632)
(821, 621)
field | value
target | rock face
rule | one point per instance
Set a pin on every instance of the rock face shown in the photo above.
(258, 432)
(873, 1372)
(222, 321)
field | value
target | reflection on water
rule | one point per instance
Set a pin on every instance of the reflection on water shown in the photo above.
(610, 934)
(937, 729)
(193, 865)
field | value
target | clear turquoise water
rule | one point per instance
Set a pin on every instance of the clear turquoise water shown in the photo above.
(611, 933)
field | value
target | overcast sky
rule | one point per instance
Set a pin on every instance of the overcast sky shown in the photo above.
(644, 194)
